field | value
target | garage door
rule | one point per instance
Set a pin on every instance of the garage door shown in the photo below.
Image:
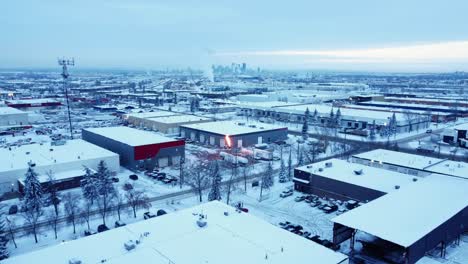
(182, 134)
(192, 135)
(239, 143)
(222, 143)
(175, 160)
(163, 162)
(260, 140)
(202, 138)
(212, 140)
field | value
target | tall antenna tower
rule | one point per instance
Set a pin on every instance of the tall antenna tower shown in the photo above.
(65, 63)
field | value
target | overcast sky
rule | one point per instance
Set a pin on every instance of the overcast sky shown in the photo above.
(364, 35)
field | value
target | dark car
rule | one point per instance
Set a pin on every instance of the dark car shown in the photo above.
(89, 232)
(148, 215)
(133, 177)
(330, 209)
(115, 179)
(13, 209)
(316, 239)
(102, 228)
(161, 212)
(284, 224)
(119, 223)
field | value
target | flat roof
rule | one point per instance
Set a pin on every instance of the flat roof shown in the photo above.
(151, 114)
(43, 177)
(72, 151)
(232, 128)
(398, 158)
(463, 126)
(130, 136)
(32, 101)
(449, 167)
(372, 178)
(174, 119)
(10, 111)
(407, 215)
(176, 238)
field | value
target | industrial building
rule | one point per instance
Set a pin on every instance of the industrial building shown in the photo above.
(458, 111)
(33, 103)
(141, 119)
(137, 149)
(65, 161)
(409, 222)
(12, 118)
(411, 164)
(343, 180)
(456, 135)
(171, 124)
(208, 233)
(354, 121)
(233, 134)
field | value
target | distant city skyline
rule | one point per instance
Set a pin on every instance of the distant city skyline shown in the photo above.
(362, 35)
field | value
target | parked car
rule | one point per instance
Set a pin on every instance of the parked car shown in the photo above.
(102, 228)
(316, 239)
(13, 209)
(299, 198)
(429, 131)
(330, 209)
(161, 212)
(286, 193)
(133, 177)
(115, 179)
(89, 232)
(119, 223)
(148, 215)
(284, 224)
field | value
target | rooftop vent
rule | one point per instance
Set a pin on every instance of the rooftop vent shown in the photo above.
(397, 187)
(309, 166)
(328, 164)
(415, 180)
(201, 222)
(129, 245)
(74, 261)
(320, 169)
(358, 172)
(27, 152)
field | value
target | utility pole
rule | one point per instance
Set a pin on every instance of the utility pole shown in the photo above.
(65, 63)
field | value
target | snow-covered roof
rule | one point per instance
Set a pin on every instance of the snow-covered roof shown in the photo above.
(371, 177)
(449, 167)
(150, 114)
(232, 128)
(413, 105)
(10, 111)
(179, 119)
(398, 158)
(176, 238)
(463, 126)
(41, 155)
(32, 101)
(130, 136)
(405, 216)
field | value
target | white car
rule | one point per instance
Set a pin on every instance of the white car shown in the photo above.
(286, 193)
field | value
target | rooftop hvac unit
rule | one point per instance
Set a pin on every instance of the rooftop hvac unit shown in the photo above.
(201, 222)
(358, 172)
(74, 261)
(129, 245)
(309, 166)
(415, 180)
(397, 187)
(328, 164)
(320, 169)
(240, 123)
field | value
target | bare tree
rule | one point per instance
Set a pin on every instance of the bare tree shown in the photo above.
(137, 199)
(71, 208)
(85, 213)
(52, 191)
(106, 190)
(198, 178)
(31, 217)
(53, 220)
(119, 203)
(11, 225)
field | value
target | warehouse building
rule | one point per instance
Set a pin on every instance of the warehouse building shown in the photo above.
(141, 119)
(458, 110)
(171, 124)
(343, 180)
(13, 118)
(233, 134)
(353, 121)
(411, 164)
(456, 135)
(208, 233)
(137, 149)
(407, 223)
(33, 103)
(65, 161)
